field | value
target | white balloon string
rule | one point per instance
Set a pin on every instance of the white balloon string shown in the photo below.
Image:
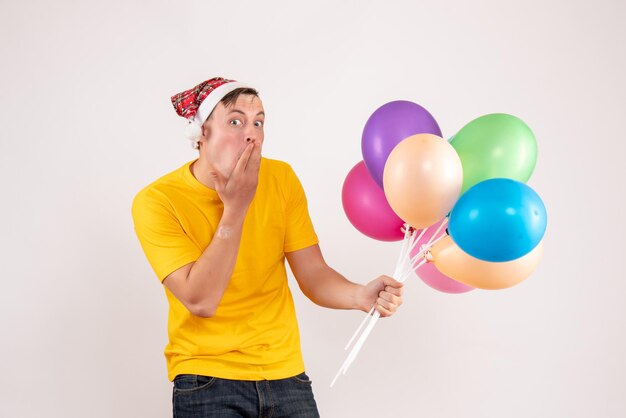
(360, 327)
(443, 223)
(414, 243)
(428, 245)
(402, 255)
(424, 250)
(359, 344)
(414, 268)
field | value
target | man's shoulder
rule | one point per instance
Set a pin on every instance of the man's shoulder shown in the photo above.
(276, 165)
(158, 189)
(278, 169)
(279, 172)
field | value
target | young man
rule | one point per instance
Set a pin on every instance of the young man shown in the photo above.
(216, 232)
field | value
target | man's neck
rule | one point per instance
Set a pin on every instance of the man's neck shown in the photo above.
(202, 172)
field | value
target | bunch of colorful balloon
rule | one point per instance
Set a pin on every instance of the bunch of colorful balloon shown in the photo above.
(412, 184)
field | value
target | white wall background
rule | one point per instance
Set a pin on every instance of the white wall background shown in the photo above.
(86, 122)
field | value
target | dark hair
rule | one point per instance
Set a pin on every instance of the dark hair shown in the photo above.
(232, 97)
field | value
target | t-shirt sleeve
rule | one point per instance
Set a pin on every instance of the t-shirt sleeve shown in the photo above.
(161, 236)
(300, 232)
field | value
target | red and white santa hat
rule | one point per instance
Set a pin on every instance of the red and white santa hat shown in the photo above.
(196, 104)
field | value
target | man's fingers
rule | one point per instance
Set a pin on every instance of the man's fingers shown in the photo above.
(243, 160)
(390, 281)
(394, 290)
(255, 159)
(384, 312)
(392, 299)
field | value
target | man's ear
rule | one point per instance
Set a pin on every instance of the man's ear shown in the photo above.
(206, 131)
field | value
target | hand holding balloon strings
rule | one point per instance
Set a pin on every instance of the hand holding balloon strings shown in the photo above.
(401, 273)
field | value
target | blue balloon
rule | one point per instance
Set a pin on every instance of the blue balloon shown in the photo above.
(498, 220)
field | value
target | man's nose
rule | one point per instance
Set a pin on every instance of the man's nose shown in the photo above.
(251, 134)
(253, 138)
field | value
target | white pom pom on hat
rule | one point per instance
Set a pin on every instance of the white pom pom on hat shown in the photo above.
(196, 104)
(193, 132)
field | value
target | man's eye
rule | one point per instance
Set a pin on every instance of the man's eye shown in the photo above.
(235, 122)
(258, 123)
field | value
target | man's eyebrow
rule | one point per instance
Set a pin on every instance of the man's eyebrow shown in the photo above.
(239, 111)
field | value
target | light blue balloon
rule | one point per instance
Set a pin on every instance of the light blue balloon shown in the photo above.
(498, 220)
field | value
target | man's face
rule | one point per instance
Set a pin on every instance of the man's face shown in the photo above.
(229, 129)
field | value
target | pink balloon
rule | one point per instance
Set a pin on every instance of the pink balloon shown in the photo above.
(429, 273)
(367, 208)
(439, 281)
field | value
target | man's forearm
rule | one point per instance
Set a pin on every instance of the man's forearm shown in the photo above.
(210, 274)
(332, 290)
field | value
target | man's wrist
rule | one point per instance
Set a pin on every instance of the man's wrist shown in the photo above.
(360, 300)
(234, 216)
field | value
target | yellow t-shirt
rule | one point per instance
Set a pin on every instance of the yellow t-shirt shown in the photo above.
(254, 332)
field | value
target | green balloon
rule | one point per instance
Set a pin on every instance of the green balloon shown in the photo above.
(495, 146)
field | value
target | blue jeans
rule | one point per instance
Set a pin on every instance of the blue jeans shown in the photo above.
(197, 396)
